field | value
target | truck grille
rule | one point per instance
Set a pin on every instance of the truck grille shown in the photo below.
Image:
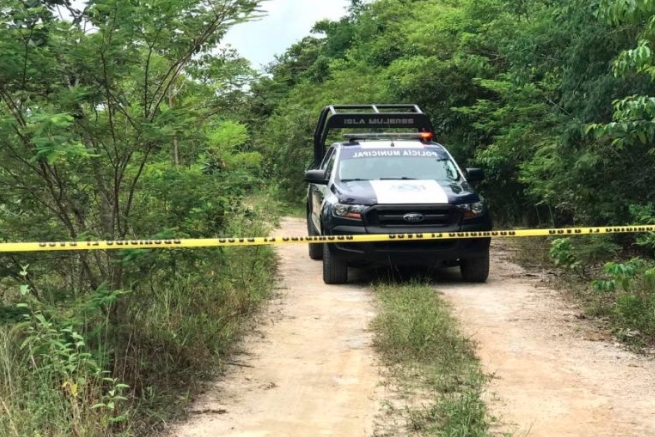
(393, 216)
(410, 246)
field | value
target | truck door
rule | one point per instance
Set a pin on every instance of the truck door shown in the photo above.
(319, 192)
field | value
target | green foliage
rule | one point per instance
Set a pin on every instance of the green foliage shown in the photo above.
(511, 86)
(223, 151)
(125, 131)
(621, 275)
(630, 287)
(181, 321)
(633, 115)
(562, 254)
(52, 384)
(580, 254)
(644, 214)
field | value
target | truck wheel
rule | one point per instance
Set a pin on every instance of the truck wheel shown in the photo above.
(475, 269)
(335, 270)
(315, 249)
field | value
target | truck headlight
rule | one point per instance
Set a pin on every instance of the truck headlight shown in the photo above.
(472, 209)
(348, 211)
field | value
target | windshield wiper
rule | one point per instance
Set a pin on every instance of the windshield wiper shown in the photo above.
(353, 180)
(397, 179)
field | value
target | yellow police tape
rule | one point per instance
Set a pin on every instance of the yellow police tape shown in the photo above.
(261, 241)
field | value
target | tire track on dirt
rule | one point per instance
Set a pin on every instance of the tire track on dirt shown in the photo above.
(311, 372)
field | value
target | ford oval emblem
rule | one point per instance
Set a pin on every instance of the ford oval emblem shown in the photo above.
(414, 217)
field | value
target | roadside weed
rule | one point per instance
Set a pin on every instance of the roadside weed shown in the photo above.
(432, 361)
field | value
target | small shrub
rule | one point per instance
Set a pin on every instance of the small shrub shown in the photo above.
(50, 382)
(563, 255)
(644, 214)
(630, 289)
(582, 256)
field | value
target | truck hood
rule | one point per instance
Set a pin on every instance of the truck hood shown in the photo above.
(397, 192)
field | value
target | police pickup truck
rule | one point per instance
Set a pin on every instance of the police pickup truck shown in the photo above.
(390, 183)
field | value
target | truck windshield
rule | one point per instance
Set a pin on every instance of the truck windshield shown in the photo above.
(375, 164)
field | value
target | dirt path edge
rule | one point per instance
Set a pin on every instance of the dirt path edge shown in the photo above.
(310, 371)
(552, 375)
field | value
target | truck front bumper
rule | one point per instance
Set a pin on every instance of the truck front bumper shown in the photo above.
(410, 252)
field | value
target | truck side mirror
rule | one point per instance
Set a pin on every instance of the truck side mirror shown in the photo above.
(474, 174)
(316, 177)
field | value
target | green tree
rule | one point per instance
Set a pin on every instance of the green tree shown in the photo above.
(109, 118)
(85, 113)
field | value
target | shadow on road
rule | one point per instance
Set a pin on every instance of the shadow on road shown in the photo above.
(405, 275)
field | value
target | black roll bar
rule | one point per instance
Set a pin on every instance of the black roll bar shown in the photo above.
(370, 116)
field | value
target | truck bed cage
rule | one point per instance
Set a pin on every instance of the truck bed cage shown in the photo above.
(369, 116)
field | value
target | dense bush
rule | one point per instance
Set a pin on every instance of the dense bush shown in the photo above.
(125, 131)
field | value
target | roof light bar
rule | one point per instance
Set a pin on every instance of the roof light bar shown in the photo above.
(424, 136)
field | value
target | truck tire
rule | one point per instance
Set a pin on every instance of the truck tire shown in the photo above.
(475, 269)
(335, 270)
(315, 249)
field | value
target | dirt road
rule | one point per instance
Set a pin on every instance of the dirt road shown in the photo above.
(555, 377)
(311, 370)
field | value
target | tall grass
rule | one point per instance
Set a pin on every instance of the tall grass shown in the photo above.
(432, 361)
(66, 371)
(50, 385)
